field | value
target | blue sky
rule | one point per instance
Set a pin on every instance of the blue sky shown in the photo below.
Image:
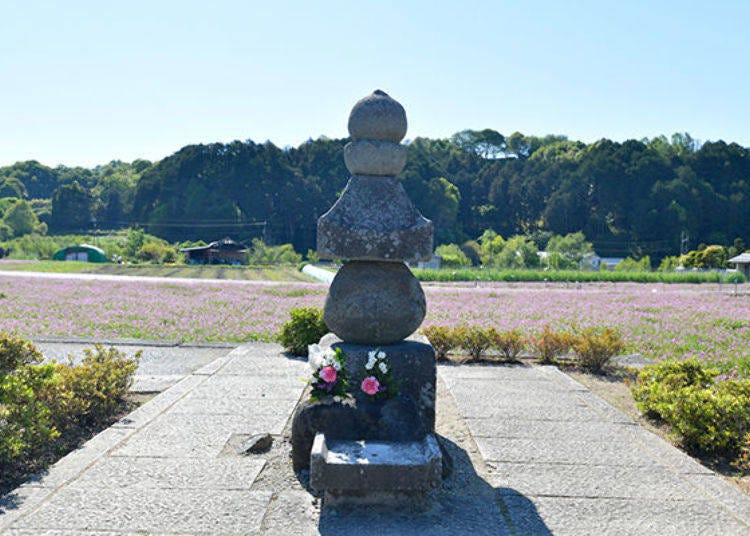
(83, 83)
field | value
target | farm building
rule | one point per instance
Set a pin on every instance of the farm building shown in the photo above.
(225, 251)
(742, 263)
(84, 252)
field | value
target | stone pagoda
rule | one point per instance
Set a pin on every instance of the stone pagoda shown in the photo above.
(358, 450)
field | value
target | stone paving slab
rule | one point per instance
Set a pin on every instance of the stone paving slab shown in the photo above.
(582, 430)
(563, 450)
(72, 465)
(160, 367)
(573, 516)
(133, 509)
(577, 480)
(474, 409)
(198, 405)
(238, 387)
(172, 473)
(183, 435)
(489, 372)
(472, 514)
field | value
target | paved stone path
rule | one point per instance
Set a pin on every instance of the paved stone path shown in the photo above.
(162, 363)
(533, 451)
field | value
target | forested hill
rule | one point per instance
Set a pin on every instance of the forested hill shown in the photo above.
(631, 198)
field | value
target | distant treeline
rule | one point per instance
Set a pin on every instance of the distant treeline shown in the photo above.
(636, 198)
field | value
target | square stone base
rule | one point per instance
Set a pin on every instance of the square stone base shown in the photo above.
(374, 472)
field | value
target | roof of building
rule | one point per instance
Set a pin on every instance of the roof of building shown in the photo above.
(226, 244)
(742, 258)
(83, 247)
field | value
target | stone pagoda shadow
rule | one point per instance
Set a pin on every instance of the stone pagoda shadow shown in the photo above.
(464, 503)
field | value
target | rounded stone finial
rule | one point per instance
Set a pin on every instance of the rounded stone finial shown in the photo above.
(378, 117)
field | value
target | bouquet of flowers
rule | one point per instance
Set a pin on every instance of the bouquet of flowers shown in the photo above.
(378, 383)
(329, 378)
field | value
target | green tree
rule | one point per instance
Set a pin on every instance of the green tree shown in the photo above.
(71, 208)
(453, 256)
(571, 248)
(135, 241)
(631, 265)
(519, 252)
(485, 143)
(21, 218)
(491, 245)
(669, 264)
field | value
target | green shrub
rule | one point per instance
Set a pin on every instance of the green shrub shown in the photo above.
(743, 460)
(509, 343)
(548, 344)
(93, 390)
(708, 415)
(25, 416)
(442, 339)
(475, 340)
(156, 252)
(306, 326)
(40, 403)
(657, 385)
(632, 265)
(734, 277)
(452, 256)
(262, 253)
(594, 348)
(712, 420)
(16, 352)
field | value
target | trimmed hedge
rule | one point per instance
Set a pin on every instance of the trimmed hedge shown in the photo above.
(709, 415)
(569, 276)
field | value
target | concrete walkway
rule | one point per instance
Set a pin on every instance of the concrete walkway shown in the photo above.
(533, 453)
(162, 363)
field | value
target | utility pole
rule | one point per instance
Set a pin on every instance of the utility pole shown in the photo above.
(684, 238)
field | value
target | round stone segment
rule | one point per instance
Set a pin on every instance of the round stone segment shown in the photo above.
(374, 157)
(374, 303)
(378, 117)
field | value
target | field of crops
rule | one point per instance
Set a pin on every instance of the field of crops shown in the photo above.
(656, 320)
(207, 271)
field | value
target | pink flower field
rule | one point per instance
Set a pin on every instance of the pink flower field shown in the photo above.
(658, 321)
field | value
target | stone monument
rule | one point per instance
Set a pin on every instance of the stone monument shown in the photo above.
(360, 450)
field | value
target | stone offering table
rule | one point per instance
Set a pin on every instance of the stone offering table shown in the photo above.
(374, 303)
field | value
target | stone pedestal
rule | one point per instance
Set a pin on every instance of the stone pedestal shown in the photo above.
(408, 417)
(366, 471)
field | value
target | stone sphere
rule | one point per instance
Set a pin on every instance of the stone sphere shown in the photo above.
(378, 117)
(374, 157)
(374, 303)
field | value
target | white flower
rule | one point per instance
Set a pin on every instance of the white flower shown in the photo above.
(336, 365)
(315, 356)
(383, 367)
(329, 356)
(381, 354)
(370, 363)
(371, 354)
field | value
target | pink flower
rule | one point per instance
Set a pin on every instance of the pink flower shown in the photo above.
(370, 385)
(328, 374)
